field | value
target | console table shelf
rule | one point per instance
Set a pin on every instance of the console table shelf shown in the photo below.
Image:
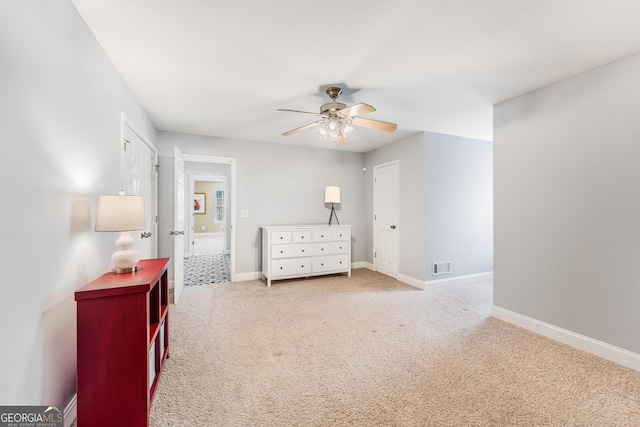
(123, 342)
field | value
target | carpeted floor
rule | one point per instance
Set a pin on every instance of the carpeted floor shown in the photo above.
(206, 269)
(370, 351)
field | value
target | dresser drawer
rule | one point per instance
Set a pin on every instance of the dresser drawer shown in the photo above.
(340, 234)
(278, 237)
(291, 250)
(290, 266)
(330, 248)
(330, 263)
(321, 235)
(301, 236)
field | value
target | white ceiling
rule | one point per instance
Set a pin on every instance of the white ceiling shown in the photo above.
(222, 68)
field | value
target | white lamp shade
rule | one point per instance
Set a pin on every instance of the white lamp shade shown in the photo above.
(332, 194)
(118, 212)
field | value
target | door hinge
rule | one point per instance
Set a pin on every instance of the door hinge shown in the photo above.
(375, 254)
(157, 168)
(126, 141)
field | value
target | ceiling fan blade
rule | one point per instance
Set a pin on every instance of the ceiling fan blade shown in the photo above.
(307, 126)
(374, 124)
(357, 109)
(341, 141)
(298, 111)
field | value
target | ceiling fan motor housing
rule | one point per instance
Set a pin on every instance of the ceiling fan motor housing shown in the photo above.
(331, 106)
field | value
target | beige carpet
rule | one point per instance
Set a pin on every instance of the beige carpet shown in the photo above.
(370, 351)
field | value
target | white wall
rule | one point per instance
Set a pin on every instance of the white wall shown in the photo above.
(567, 204)
(410, 152)
(60, 131)
(445, 203)
(459, 205)
(277, 184)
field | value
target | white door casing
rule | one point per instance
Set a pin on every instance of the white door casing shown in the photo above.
(139, 159)
(178, 227)
(386, 200)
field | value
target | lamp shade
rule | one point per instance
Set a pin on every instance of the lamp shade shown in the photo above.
(117, 212)
(332, 194)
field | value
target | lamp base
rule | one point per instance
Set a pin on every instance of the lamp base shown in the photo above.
(120, 270)
(333, 214)
(125, 259)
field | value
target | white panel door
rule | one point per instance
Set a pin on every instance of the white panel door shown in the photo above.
(386, 198)
(178, 227)
(139, 177)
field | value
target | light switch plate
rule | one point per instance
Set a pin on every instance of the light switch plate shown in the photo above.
(244, 213)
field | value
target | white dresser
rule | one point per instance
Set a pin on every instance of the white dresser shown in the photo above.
(290, 251)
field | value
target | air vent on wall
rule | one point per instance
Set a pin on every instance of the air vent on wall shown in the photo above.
(441, 267)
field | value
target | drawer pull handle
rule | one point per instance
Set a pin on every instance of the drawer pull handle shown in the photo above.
(322, 235)
(302, 266)
(280, 268)
(281, 237)
(281, 251)
(303, 237)
(303, 250)
(322, 264)
(322, 249)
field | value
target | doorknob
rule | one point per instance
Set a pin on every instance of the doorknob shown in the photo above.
(145, 234)
(175, 233)
(393, 227)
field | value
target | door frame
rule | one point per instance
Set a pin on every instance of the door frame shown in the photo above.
(203, 158)
(126, 122)
(206, 178)
(396, 247)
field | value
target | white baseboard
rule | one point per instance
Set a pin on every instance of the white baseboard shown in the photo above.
(71, 411)
(245, 277)
(581, 342)
(420, 284)
(360, 264)
(412, 281)
(467, 278)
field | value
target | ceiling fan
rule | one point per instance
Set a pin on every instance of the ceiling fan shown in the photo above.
(336, 119)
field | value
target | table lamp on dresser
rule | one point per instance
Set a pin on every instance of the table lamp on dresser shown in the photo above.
(332, 195)
(119, 212)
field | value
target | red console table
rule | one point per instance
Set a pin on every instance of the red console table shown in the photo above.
(123, 341)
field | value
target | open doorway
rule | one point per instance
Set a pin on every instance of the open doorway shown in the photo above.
(209, 219)
(207, 256)
(208, 206)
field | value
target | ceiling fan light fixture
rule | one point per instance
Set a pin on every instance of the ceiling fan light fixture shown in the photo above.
(335, 129)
